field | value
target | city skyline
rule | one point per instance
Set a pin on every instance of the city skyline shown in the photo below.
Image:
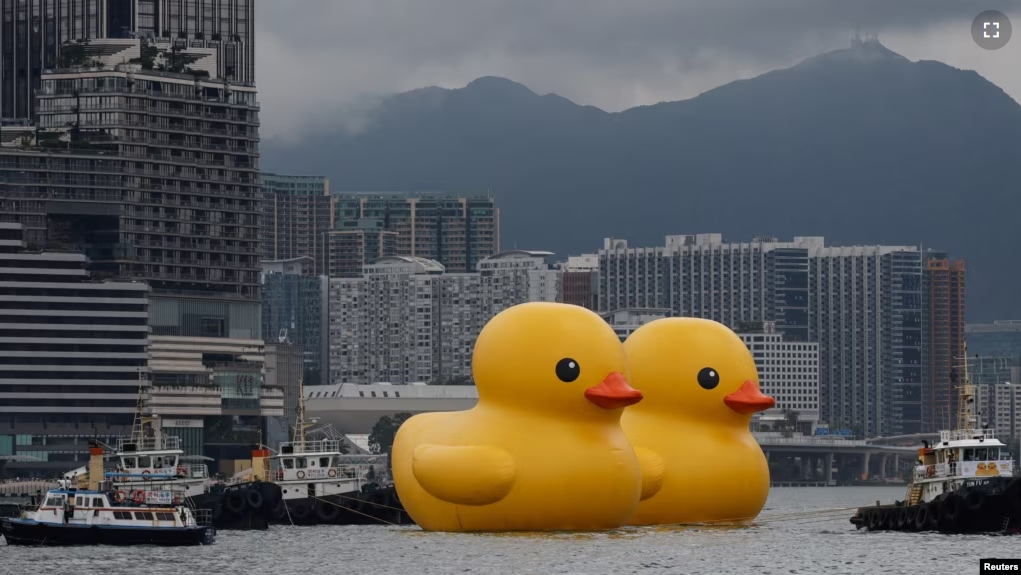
(142, 166)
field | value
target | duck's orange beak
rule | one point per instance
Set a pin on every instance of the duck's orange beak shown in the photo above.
(749, 399)
(613, 393)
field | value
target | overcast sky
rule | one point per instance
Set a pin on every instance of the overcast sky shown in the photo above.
(319, 61)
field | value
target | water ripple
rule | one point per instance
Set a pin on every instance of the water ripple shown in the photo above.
(781, 545)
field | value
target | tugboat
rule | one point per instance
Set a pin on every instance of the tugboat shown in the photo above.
(963, 484)
(149, 459)
(96, 516)
(322, 485)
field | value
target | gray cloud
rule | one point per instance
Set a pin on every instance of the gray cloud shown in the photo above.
(320, 62)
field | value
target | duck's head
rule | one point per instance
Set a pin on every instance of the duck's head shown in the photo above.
(696, 368)
(559, 359)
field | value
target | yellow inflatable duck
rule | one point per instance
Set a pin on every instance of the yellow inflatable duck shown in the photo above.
(700, 387)
(543, 449)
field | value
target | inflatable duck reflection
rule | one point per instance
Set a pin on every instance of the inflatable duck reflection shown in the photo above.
(700, 387)
(543, 448)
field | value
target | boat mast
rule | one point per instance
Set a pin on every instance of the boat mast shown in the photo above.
(966, 397)
(300, 426)
(143, 417)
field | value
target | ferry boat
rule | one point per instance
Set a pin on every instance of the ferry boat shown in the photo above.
(321, 484)
(97, 516)
(150, 460)
(963, 484)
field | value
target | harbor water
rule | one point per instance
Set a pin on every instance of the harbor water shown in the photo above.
(787, 539)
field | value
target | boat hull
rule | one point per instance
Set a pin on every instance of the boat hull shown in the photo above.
(31, 532)
(378, 507)
(241, 507)
(989, 506)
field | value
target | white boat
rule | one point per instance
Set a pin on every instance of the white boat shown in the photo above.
(149, 460)
(320, 483)
(963, 484)
(100, 515)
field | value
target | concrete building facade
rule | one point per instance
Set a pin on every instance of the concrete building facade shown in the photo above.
(296, 216)
(159, 182)
(999, 407)
(702, 276)
(862, 305)
(456, 231)
(943, 332)
(406, 319)
(789, 373)
(40, 35)
(580, 281)
(356, 244)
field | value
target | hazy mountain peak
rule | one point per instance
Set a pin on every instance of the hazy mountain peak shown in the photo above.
(861, 51)
(859, 145)
(495, 85)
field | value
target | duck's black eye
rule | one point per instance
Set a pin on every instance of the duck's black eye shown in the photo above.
(708, 378)
(568, 370)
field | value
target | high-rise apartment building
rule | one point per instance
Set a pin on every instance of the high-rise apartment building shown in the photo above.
(72, 352)
(293, 312)
(789, 373)
(867, 318)
(356, 244)
(296, 216)
(703, 276)
(999, 406)
(943, 283)
(580, 281)
(159, 182)
(41, 35)
(862, 305)
(226, 27)
(146, 160)
(407, 320)
(456, 231)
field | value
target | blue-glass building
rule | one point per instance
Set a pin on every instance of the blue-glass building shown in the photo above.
(293, 312)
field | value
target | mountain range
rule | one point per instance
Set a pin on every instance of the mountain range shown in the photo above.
(860, 145)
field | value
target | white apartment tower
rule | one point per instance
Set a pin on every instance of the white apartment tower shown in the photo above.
(788, 372)
(861, 304)
(999, 407)
(407, 320)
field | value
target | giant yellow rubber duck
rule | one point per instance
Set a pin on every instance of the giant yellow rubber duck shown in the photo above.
(700, 387)
(543, 449)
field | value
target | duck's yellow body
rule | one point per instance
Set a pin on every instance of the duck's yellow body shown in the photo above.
(543, 450)
(700, 387)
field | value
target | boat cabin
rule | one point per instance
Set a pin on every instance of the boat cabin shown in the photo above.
(964, 454)
(154, 461)
(300, 461)
(103, 508)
